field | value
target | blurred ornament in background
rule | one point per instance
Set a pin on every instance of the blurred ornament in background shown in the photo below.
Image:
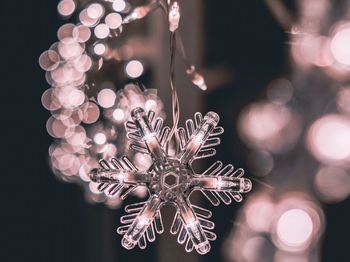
(84, 142)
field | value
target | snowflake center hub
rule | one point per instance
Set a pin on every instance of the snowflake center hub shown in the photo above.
(170, 179)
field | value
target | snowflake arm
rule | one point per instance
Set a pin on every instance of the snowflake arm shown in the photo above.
(203, 215)
(221, 183)
(137, 231)
(192, 230)
(116, 175)
(147, 137)
(199, 138)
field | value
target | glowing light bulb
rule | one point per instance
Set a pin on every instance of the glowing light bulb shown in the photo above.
(118, 114)
(118, 5)
(140, 12)
(113, 20)
(99, 49)
(106, 98)
(196, 78)
(66, 7)
(134, 69)
(101, 31)
(174, 16)
(100, 138)
(294, 227)
(95, 11)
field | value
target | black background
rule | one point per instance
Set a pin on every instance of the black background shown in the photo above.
(45, 220)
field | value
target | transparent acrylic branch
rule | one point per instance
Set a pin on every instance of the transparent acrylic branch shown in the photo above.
(198, 136)
(171, 180)
(143, 220)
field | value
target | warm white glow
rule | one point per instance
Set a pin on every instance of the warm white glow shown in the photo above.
(134, 69)
(174, 16)
(70, 50)
(118, 114)
(91, 113)
(101, 31)
(106, 98)
(340, 46)
(264, 121)
(83, 63)
(87, 20)
(78, 138)
(82, 33)
(151, 105)
(312, 50)
(294, 228)
(100, 138)
(328, 138)
(119, 5)
(99, 49)
(49, 60)
(113, 20)
(95, 11)
(66, 7)
(65, 33)
(76, 97)
(269, 126)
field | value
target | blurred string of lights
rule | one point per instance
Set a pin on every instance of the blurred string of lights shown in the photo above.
(87, 113)
(88, 103)
(298, 138)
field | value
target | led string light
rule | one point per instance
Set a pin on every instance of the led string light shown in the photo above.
(170, 179)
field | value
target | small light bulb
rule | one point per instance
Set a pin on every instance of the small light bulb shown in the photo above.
(100, 138)
(174, 17)
(196, 78)
(118, 114)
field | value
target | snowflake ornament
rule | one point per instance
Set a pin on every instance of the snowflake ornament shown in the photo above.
(171, 180)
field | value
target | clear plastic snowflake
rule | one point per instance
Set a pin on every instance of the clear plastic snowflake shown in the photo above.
(171, 180)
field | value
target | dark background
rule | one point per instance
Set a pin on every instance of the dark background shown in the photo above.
(45, 220)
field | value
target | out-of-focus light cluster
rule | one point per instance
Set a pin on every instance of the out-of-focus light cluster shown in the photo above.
(277, 229)
(328, 52)
(299, 140)
(100, 24)
(271, 125)
(87, 111)
(328, 139)
(94, 131)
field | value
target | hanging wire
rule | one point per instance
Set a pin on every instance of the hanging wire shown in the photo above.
(181, 48)
(174, 97)
(171, 10)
